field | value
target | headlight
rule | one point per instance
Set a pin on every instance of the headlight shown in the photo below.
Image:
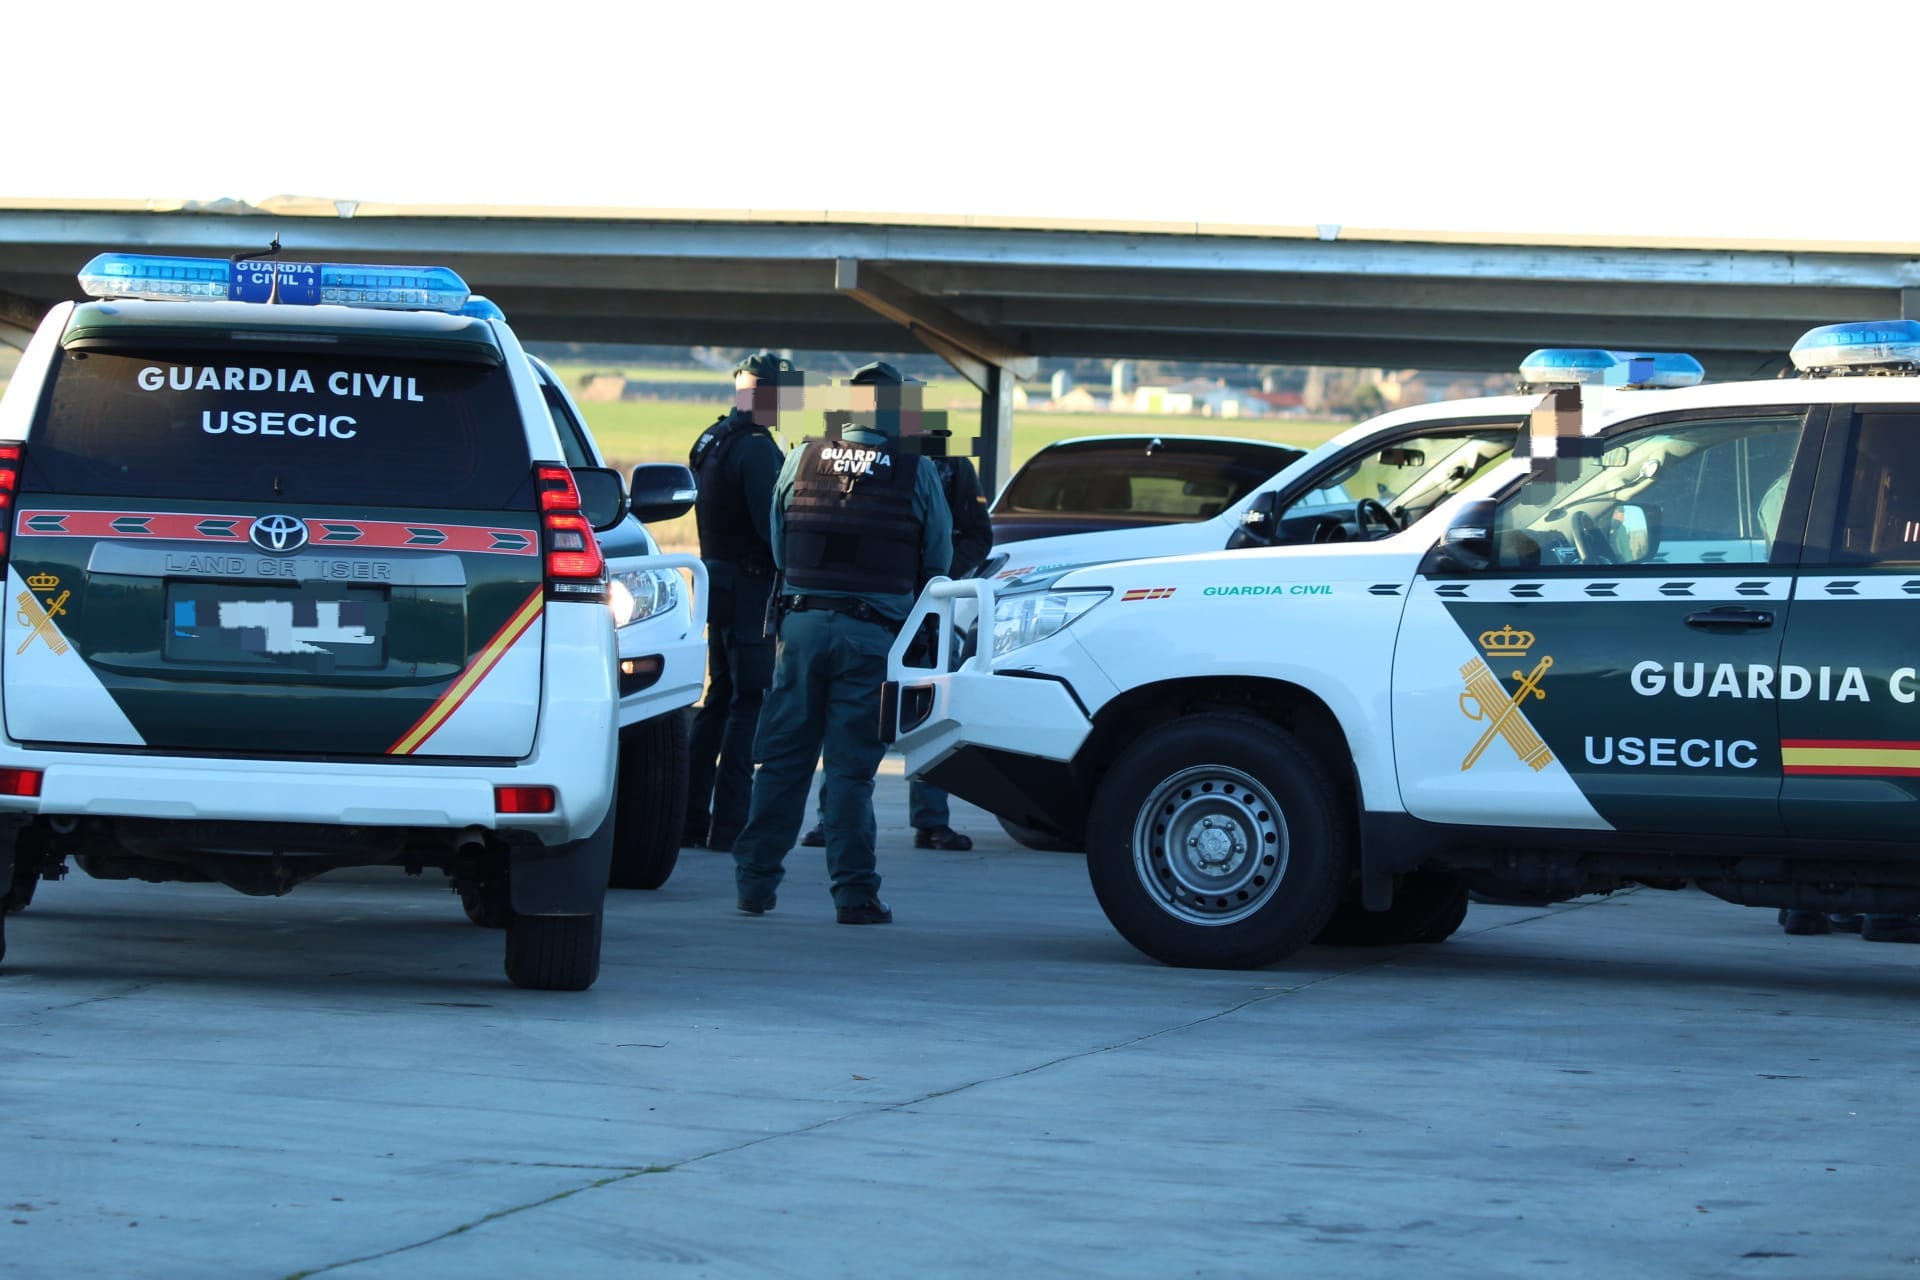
(638, 594)
(1022, 620)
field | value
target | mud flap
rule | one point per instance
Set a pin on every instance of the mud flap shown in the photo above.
(10, 828)
(564, 879)
(9, 836)
(11, 825)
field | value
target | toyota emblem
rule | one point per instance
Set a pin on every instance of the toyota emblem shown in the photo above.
(278, 534)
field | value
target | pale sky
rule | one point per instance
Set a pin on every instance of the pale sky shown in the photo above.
(1767, 120)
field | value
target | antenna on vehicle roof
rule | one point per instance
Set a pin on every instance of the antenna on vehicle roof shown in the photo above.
(273, 251)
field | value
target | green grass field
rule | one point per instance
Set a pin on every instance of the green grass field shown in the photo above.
(636, 431)
(633, 431)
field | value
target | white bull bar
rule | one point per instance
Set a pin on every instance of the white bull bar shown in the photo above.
(937, 600)
(931, 709)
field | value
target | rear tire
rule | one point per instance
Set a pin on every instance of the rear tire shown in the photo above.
(1427, 907)
(553, 953)
(1447, 923)
(1218, 841)
(1044, 841)
(650, 802)
(486, 906)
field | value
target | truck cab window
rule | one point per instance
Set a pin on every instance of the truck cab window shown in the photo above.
(1880, 514)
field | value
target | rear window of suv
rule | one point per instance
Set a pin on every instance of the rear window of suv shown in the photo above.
(263, 426)
(1184, 482)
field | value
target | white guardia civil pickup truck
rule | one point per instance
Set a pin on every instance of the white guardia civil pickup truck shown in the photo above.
(1367, 483)
(1668, 642)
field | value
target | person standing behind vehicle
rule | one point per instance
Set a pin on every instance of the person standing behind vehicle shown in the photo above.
(736, 462)
(859, 524)
(927, 807)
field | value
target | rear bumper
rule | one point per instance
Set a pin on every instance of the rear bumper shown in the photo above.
(573, 753)
(181, 788)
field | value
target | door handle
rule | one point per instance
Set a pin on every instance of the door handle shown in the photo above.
(1731, 618)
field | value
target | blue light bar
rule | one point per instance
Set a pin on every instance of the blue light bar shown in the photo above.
(483, 308)
(1596, 367)
(1884, 345)
(166, 279)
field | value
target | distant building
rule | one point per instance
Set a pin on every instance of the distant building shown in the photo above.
(1210, 398)
(1080, 400)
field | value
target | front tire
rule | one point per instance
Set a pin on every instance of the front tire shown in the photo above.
(650, 802)
(553, 953)
(1218, 842)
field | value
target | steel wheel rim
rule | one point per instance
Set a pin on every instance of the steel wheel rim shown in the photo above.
(1210, 845)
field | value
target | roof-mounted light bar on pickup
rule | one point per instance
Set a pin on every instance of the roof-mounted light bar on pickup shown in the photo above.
(167, 279)
(1871, 346)
(481, 308)
(1594, 367)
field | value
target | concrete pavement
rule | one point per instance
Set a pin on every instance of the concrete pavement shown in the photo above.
(341, 1083)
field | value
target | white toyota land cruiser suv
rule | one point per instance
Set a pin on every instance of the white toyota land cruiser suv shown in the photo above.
(663, 651)
(298, 578)
(1667, 643)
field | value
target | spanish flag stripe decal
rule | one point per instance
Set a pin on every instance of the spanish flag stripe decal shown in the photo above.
(483, 662)
(1849, 757)
(1847, 744)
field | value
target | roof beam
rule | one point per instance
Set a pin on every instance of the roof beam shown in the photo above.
(953, 282)
(921, 315)
(1467, 354)
(1404, 323)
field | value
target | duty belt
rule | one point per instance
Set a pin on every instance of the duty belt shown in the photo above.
(849, 605)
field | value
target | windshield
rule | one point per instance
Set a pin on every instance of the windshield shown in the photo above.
(1411, 476)
(267, 426)
(1161, 482)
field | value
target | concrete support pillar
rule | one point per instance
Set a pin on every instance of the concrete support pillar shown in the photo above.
(995, 460)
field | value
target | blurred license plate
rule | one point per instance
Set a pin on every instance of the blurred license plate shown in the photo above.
(309, 627)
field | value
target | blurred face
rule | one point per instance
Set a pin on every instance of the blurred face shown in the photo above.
(758, 397)
(766, 398)
(900, 405)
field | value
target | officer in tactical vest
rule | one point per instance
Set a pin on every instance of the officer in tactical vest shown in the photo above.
(859, 525)
(972, 539)
(736, 461)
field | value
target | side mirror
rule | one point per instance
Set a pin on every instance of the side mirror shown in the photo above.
(1467, 544)
(603, 498)
(1259, 524)
(663, 491)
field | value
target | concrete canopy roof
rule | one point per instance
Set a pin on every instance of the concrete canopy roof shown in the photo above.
(1013, 291)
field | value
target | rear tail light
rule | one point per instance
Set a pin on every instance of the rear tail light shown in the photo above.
(575, 568)
(514, 799)
(10, 459)
(19, 782)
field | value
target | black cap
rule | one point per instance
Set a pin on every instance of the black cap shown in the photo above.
(764, 364)
(879, 373)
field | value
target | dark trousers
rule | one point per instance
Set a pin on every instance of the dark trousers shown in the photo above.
(825, 703)
(739, 670)
(927, 806)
